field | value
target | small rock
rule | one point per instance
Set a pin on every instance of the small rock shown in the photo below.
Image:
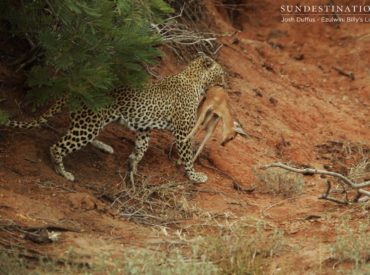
(54, 236)
(299, 56)
(268, 67)
(237, 93)
(273, 101)
(235, 41)
(276, 45)
(258, 92)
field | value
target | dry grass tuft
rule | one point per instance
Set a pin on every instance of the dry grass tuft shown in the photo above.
(242, 251)
(337, 156)
(12, 265)
(165, 204)
(352, 244)
(279, 183)
(241, 247)
(360, 171)
(141, 261)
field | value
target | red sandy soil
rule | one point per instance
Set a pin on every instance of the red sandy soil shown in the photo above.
(289, 97)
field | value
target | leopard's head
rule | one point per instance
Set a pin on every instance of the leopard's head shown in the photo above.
(206, 72)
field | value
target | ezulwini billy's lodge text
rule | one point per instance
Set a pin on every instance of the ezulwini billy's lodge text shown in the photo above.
(324, 19)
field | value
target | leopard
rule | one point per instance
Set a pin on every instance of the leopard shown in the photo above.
(170, 103)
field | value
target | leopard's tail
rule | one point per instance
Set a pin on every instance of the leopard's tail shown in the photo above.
(36, 123)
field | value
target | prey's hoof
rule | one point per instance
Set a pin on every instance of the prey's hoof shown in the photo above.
(197, 177)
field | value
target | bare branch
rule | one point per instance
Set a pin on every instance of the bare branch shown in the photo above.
(182, 33)
(312, 171)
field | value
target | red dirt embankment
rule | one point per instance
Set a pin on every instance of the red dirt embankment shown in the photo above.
(286, 91)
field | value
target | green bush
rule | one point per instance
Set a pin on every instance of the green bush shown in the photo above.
(84, 48)
(3, 117)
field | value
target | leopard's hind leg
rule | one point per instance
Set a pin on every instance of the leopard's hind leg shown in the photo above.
(141, 145)
(186, 153)
(77, 137)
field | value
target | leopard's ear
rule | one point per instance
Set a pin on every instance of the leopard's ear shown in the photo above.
(201, 54)
(208, 62)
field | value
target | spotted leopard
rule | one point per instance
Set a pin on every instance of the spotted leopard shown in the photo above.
(170, 103)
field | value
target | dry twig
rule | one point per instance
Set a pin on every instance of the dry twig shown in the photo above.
(181, 33)
(350, 75)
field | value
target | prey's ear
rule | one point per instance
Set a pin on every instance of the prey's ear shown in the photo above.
(239, 129)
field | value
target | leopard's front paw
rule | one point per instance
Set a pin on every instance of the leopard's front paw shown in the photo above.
(197, 177)
(68, 175)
